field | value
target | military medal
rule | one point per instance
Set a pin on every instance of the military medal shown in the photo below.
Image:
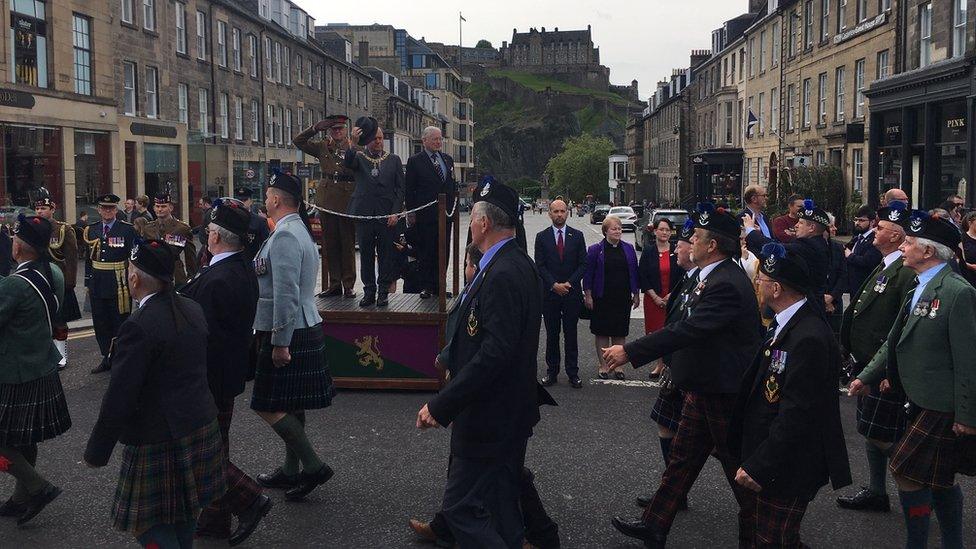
(472, 324)
(700, 287)
(771, 390)
(881, 284)
(934, 308)
(921, 308)
(778, 362)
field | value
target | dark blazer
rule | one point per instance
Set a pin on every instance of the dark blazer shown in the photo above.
(568, 269)
(761, 216)
(863, 259)
(423, 184)
(814, 250)
(649, 272)
(381, 195)
(837, 276)
(6, 254)
(794, 444)
(158, 391)
(716, 338)
(873, 310)
(114, 249)
(492, 397)
(228, 294)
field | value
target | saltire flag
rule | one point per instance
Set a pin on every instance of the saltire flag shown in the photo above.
(752, 121)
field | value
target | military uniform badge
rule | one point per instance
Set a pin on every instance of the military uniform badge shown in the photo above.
(472, 323)
(771, 389)
(880, 284)
(921, 308)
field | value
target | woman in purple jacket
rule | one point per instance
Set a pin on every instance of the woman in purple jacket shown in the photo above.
(610, 289)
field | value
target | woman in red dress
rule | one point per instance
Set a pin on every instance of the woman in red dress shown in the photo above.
(659, 272)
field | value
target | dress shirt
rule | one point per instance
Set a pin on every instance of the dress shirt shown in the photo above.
(923, 279)
(221, 256)
(760, 222)
(555, 233)
(145, 299)
(891, 258)
(785, 315)
(485, 260)
(707, 269)
(107, 225)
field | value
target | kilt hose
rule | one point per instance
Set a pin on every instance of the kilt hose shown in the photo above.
(703, 428)
(242, 490)
(881, 416)
(774, 521)
(930, 454)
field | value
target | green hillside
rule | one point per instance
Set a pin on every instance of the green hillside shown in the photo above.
(536, 82)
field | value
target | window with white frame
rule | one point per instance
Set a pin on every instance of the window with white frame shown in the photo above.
(152, 92)
(270, 133)
(859, 88)
(792, 33)
(286, 68)
(821, 158)
(805, 111)
(222, 43)
(277, 62)
(729, 123)
(238, 118)
(774, 124)
(81, 31)
(28, 55)
(762, 107)
(825, 20)
(822, 98)
(222, 116)
(858, 155)
(180, 12)
(959, 27)
(128, 11)
(301, 118)
(883, 70)
(841, 16)
(129, 88)
(300, 69)
(204, 122)
(791, 107)
(808, 24)
(252, 52)
(281, 118)
(752, 57)
(201, 35)
(749, 101)
(236, 48)
(255, 121)
(318, 77)
(308, 73)
(925, 34)
(183, 103)
(288, 128)
(777, 43)
(268, 74)
(149, 14)
(762, 52)
(862, 10)
(839, 75)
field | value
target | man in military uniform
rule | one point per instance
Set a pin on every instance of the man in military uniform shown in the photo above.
(64, 253)
(257, 230)
(874, 308)
(177, 234)
(109, 241)
(928, 355)
(333, 192)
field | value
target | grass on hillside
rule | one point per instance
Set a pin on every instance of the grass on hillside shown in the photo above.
(590, 120)
(537, 82)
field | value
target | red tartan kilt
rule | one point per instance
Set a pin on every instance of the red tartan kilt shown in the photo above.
(930, 454)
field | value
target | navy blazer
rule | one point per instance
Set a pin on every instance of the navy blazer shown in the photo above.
(862, 261)
(568, 269)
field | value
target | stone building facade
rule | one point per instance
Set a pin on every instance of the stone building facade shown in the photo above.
(403, 112)
(668, 135)
(568, 55)
(761, 61)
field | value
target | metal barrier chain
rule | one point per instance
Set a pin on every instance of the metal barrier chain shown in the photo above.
(376, 217)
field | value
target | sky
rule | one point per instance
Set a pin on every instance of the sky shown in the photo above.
(637, 39)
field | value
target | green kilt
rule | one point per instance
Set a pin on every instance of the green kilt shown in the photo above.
(304, 384)
(930, 454)
(33, 412)
(169, 482)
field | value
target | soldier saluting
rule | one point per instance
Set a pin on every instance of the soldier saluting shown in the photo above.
(63, 251)
(175, 233)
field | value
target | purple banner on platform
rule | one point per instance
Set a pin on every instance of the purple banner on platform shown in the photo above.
(412, 346)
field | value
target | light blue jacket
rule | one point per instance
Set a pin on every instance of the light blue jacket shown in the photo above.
(287, 266)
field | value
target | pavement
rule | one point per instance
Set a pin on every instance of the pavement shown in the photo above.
(591, 456)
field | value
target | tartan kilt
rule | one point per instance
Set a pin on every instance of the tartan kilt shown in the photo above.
(304, 384)
(33, 412)
(930, 454)
(169, 482)
(667, 408)
(881, 416)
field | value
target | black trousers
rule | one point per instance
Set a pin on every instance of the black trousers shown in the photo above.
(429, 241)
(106, 321)
(561, 314)
(376, 266)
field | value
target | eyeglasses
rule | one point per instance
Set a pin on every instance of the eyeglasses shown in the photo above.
(861, 219)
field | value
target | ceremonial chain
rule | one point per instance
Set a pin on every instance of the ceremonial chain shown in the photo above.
(374, 217)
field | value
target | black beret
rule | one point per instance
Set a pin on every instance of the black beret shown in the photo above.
(35, 231)
(896, 212)
(154, 258)
(286, 182)
(244, 193)
(717, 220)
(43, 198)
(369, 126)
(231, 215)
(811, 212)
(109, 200)
(163, 198)
(785, 267)
(687, 231)
(934, 228)
(499, 194)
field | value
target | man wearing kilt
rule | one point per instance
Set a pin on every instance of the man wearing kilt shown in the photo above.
(63, 250)
(159, 406)
(874, 308)
(227, 290)
(667, 407)
(785, 431)
(712, 345)
(32, 404)
(291, 374)
(928, 354)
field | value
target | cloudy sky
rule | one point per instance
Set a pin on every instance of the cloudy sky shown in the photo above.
(637, 39)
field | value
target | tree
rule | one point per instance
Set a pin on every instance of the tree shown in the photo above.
(580, 168)
(483, 44)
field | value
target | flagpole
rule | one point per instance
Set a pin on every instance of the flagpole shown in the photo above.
(460, 42)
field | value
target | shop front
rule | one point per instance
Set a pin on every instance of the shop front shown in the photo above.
(32, 157)
(717, 175)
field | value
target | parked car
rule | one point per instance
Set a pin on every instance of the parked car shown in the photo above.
(628, 219)
(599, 213)
(675, 216)
(638, 210)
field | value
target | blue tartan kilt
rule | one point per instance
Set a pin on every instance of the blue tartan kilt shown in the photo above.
(303, 384)
(881, 416)
(169, 482)
(33, 412)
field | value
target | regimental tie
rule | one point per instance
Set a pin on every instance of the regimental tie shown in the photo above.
(437, 166)
(560, 245)
(105, 229)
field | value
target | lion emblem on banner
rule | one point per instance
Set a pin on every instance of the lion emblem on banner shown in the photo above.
(369, 352)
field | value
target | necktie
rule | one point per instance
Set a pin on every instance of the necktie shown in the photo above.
(437, 166)
(771, 331)
(105, 229)
(560, 245)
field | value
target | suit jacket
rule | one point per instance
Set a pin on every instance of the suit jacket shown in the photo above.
(158, 391)
(786, 428)
(492, 398)
(570, 268)
(380, 195)
(423, 184)
(287, 267)
(862, 261)
(6, 254)
(228, 294)
(837, 275)
(874, 308)
(931, 358)
(649, 271)
(26, 350)
(761, 216)
(715, 340)
(112, 249)
(814, 250)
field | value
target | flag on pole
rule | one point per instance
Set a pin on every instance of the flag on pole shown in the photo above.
(461, 16)
(752, 121)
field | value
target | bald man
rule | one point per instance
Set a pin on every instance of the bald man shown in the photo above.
(892, 195)
(560, 255)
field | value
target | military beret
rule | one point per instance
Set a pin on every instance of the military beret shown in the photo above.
(934, 228)
(811, 212)
(231, 215)
(286, 182)
(154, 258)
(785, 267)
(896, 212)
(244, 193)
(717, 220)
(163, 198)
(495, 192)
(35, 231)
(336, 120)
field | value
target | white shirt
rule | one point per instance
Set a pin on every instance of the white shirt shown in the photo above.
(707, 269)
(555, 233)
(221, 256)
(145, 299)
(891, 258)
(785, 315)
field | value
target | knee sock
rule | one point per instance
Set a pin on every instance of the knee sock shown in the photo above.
(917, 508)
(948, 508)
(13, 461)
(20, 491)
(291, 430)
(877, 467)
(292, 466)
(666, 449)
(161, 536)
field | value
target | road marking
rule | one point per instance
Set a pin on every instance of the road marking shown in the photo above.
(625, 382)
(81, 335)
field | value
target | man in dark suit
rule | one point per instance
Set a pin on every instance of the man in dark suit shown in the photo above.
(560, 255)
(227, 290)
(491, 402)
(6, 252)
(861, 254)
(711, 347)
(430, 173)
(785, 430)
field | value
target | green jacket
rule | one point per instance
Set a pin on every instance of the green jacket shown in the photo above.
(869, 318)
(26, 349)
(935, 358)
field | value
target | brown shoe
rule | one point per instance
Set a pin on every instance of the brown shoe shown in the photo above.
(423, 530)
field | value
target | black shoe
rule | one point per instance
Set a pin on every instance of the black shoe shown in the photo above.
(36, 503)
(367, 300)
(548, 381)
(349, 293)
(309, 482)
(619, 375)
(576, 383)
(331, 293)
(249, 519)
(102, 367)
(10, 508)
(865, 500)
(425, 294)
(638, 529)
(382, 301)
(278, 480)
(604, 375)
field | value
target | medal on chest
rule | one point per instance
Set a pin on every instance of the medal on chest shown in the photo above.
(934, 308)
(472, 323)
(260, 266)
(921, 308)
(880, 284)
(174, 240)
(115, 242)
